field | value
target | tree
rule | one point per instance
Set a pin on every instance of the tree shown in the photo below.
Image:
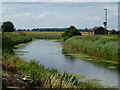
(70, 32)
(28, 29)
(7, 26)
(117, 32)
(114, 32)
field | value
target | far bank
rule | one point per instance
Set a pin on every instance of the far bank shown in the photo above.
(103, 46)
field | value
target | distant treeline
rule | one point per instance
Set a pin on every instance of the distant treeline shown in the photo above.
(62, 30)
(51, 29)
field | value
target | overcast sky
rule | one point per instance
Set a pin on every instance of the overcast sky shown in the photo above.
(59, 0)
(60, 14)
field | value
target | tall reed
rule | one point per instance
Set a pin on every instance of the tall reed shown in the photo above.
(105, 46)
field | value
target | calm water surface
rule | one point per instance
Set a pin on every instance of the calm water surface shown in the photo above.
(49, 53)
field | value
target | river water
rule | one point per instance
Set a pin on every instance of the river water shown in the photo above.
(49, 54)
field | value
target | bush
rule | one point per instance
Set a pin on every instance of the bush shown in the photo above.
(114, 32)
(70, 32)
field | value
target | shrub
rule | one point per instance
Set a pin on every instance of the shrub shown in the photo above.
(114, 32)
(70, 32)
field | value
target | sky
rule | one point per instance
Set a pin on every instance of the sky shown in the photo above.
(30, 15)
(59, 0)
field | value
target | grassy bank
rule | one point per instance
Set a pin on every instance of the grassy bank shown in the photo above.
(45, 78)
(12, 39)
(105, 46)
(16, 69)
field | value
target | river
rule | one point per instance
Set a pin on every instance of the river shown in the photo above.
(49, 54)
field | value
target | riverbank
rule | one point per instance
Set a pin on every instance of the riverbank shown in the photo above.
(19, 73)
(108, 64)
(105, 46)
(32, 74)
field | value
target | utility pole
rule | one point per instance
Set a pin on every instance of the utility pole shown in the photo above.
(105, 23)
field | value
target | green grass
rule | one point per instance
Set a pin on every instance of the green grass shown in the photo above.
(10, 40)
(105, 46)
(36, 71)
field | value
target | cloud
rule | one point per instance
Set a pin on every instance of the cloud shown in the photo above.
(47, 14)
(20, 15)
(110, 7)
(31, 15)
(48, 19)
(18, 0)
(115, 14)
(60, 1)
(93, 18)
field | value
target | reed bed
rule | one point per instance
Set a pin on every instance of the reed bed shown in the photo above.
(105, 46)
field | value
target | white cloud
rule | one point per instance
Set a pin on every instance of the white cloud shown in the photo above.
(60, 1)
(19, 15)
(112, 7)
(47, 14)
(31, 15)
(48, 19)
(17, 0)
(115, 14)
(94, 18)
(33, 20)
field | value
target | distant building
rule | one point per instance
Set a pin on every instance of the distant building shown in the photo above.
(98, 30)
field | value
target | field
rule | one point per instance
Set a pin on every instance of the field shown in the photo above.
(47, 35)
(105, 46)
(33, 32)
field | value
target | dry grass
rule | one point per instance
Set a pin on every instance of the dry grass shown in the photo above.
(44, 35)
(85, 33)
(33, 32)
(43, 32)
(37, 32)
